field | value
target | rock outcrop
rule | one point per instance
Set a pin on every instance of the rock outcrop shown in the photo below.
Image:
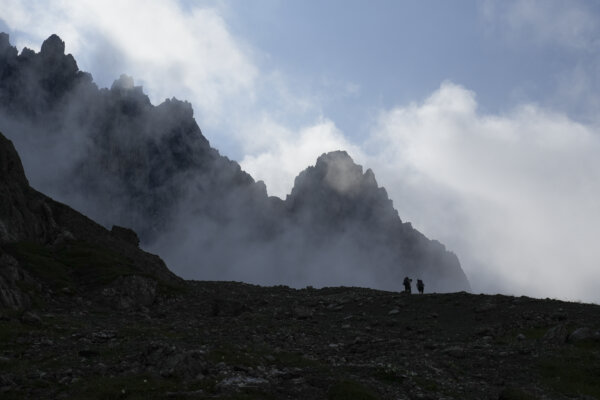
(52, 238)
(24, 214)
(334, 201)
(125, 234)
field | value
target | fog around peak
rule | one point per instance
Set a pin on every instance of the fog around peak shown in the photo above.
(480, 119)
(121, 160)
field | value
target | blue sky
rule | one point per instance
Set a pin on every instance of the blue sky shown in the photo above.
(479, 117)
(399, 51)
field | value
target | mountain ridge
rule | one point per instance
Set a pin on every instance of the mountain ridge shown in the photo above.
(123, 161)
(86, 314)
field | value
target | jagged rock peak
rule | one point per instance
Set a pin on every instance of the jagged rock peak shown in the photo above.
(337, 188)
(151, 169)
(336, 170)
(4, 41)
(181, 108)
(6, 50)
(124, 82)
(53, 45)
(337, 159)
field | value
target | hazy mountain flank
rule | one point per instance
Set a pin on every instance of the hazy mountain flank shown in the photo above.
(65, 249)
(122, 161)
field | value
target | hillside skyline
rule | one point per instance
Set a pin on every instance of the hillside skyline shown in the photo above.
(511, 165)
(120, 160)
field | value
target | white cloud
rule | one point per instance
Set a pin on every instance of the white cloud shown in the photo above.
(187, 53)
(570, 30)
(571, 24)
(280, 154)
(514, 195)
(173, 49)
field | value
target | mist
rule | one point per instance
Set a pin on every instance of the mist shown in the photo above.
(113, 155)
(513, 194)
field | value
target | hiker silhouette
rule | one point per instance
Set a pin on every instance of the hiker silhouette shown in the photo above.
(420, 286)
(407, 281)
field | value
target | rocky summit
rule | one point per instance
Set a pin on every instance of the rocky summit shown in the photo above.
(345, 211)
(120, 160)
(86, 314)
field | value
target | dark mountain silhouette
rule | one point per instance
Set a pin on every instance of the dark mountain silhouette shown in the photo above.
(340, 207)
(121, 160)
(121, 150)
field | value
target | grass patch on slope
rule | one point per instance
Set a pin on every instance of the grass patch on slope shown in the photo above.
(74, 264)
(575, 372)
(350, 390)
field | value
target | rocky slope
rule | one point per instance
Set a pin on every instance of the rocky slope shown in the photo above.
(237, 341)
(44, 242)
(85, 314)
(120, 160)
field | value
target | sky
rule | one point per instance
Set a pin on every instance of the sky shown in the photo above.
(480, 118)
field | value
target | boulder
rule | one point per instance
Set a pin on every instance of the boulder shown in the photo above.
(580, 334)
(557, 334)
(125, 234)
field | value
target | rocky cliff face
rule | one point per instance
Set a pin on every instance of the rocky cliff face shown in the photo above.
(47, 245)
(121, 160)
(24, 213)
(339, 206)
(111, 146)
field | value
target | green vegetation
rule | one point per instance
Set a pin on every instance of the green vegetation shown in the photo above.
(231, 355)
(512, 393)
(77, 263)
(575, 372)
(249, 394)
(253, 357)
(350, 390)
(146, 386)
(11, 329)
(427, 384)
(297, 360)
(41, 263)
(128, 386)
(535, 333)
(94, 265)
(389, 373)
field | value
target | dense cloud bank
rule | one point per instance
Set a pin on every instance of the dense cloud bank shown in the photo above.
(119, 159)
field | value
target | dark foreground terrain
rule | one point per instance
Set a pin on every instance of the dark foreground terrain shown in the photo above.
(227, 340)
(86, 314)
